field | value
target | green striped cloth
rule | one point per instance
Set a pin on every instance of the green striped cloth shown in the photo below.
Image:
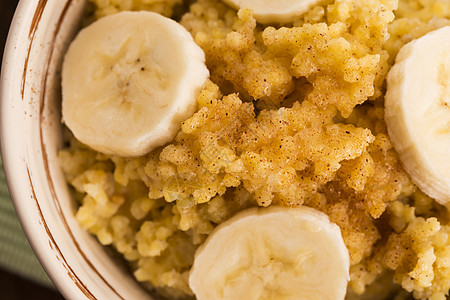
(16, 255)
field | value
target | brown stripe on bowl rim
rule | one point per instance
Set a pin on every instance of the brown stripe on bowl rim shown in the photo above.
(52, 242)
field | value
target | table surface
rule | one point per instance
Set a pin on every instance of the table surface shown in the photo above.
(21, 275)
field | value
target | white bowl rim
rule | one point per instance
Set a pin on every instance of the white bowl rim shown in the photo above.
(75, 279)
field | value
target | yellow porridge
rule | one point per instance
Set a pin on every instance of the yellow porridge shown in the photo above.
(292, 115)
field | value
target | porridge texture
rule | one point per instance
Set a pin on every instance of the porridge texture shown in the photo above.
(292, 115)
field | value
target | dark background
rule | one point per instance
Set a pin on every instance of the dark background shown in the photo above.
(13, 287)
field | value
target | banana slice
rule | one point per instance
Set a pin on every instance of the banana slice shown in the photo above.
(272, 253)
(417, 111)
(270, 11)
(128, 82)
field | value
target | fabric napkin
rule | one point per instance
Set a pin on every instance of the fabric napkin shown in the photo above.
(16, 255)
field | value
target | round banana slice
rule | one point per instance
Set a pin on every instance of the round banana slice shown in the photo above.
(417, 111)
(272, 253)
(128, 82)
(270, 11)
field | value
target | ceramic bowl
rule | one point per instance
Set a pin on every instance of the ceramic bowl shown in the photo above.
(31, 133)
